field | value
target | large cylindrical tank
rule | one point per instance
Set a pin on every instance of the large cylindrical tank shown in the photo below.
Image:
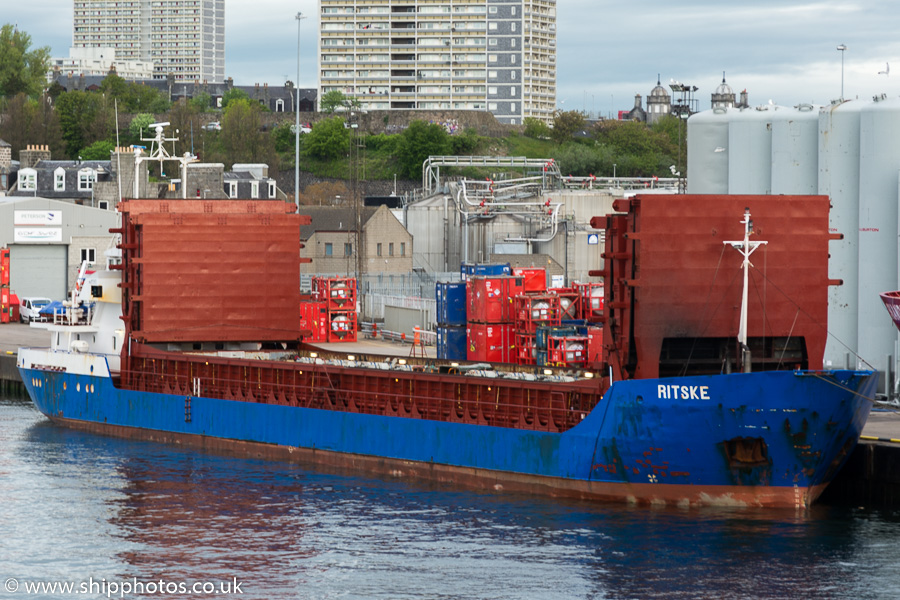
(839, 179)
(795, 150)
(707, 153)
(750, 150)
(879, 156)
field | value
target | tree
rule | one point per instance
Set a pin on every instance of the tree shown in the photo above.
(241, 139)
(419, 141)
(84, 118)
(537, 129)
(202, 101)
(566, 124)
(139, 127)
(21, 70)
(329, 139)
(29, 121)
(335, 99)
(99, 150)
(232, 95)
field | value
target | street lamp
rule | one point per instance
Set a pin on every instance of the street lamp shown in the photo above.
(299, 18)
(842, 48)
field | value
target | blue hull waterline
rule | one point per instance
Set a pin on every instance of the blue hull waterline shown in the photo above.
(766, 439)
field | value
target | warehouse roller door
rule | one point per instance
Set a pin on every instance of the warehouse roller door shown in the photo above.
(38, 270)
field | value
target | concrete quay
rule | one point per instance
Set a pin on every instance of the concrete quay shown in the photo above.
(871, 477)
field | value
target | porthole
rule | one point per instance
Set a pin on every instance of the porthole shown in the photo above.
(77, 387)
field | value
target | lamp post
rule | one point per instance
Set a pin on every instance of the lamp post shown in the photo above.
(842, 48)
(299, 18)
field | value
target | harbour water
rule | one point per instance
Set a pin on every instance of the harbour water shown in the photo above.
(85, 509)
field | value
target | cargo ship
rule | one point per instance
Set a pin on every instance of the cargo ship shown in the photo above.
(706, 392)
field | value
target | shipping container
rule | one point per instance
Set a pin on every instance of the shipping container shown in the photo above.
(595, 347)
(338, 292)
(534, 310)
(569, 302)
(491, 299)
(568, 351)
(545, 331)
(314, 318)
(468, 270)
(4, 266)
(535, 279)
(591, 301)
(490, 342)
(525, 349)
(451, 303)
(342, 326)
(451, 342)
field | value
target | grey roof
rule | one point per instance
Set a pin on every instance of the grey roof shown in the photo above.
(332, 218)
(4, 143)
(239, 175)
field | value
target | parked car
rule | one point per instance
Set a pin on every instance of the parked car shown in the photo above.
(214, 126)
(30, 309)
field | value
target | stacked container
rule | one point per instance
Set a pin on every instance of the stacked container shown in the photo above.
(490, 314)
(533, 311)
(591, 294)
(314, 318)
(6, 309)
(338, 295)
(467, 270)
(451, 320)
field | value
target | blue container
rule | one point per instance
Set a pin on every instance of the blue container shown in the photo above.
(541, 358)
(545, 331)
(487, 269)
(451, 302)
(451, 343)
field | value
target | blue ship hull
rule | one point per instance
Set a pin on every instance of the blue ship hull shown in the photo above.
(759, 439)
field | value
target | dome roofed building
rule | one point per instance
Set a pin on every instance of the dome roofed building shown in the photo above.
(659, 103)
(723, 97)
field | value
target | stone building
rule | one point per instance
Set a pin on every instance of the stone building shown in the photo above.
(331, 240)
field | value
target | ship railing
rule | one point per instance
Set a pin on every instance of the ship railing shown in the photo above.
(481, 398)
(372, 331)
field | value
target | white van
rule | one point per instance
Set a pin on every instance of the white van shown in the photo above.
(30, 308)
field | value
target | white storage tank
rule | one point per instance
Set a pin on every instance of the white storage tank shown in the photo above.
(795, 150)
(750, 150)
(839, 179)
(707, 152)
(879, 142)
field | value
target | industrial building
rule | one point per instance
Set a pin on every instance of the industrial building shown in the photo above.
(182, 37)
(495, 55)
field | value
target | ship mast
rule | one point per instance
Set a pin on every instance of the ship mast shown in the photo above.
(746, 248)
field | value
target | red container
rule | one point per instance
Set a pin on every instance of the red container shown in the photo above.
(5, 307)
(570, 351)
(314, 318)
(595, 347)
(569, 303)
(490, 299)
(342, 326)
(533, 310)
(535, 278)
(4, 266)
(490, 342)
(592, 299)
(338, 292)
(526, 351)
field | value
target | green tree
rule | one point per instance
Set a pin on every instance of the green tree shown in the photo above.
(329, 139)
(83, 118)
(537, 129)
(99, 150)
(241, 139)
(566, 124)
(138, 127)
(29, 121)
(21, 70)
(202, 101)
(419, 141)
(232, 95)
(144, 98)
(283, 137)
(335, 99)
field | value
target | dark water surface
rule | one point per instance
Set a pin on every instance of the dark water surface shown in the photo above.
(76, 506)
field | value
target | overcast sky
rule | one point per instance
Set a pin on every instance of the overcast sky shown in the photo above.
(778, 50)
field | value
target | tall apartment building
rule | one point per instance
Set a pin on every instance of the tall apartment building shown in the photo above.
(183, 37)
(495, 55)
